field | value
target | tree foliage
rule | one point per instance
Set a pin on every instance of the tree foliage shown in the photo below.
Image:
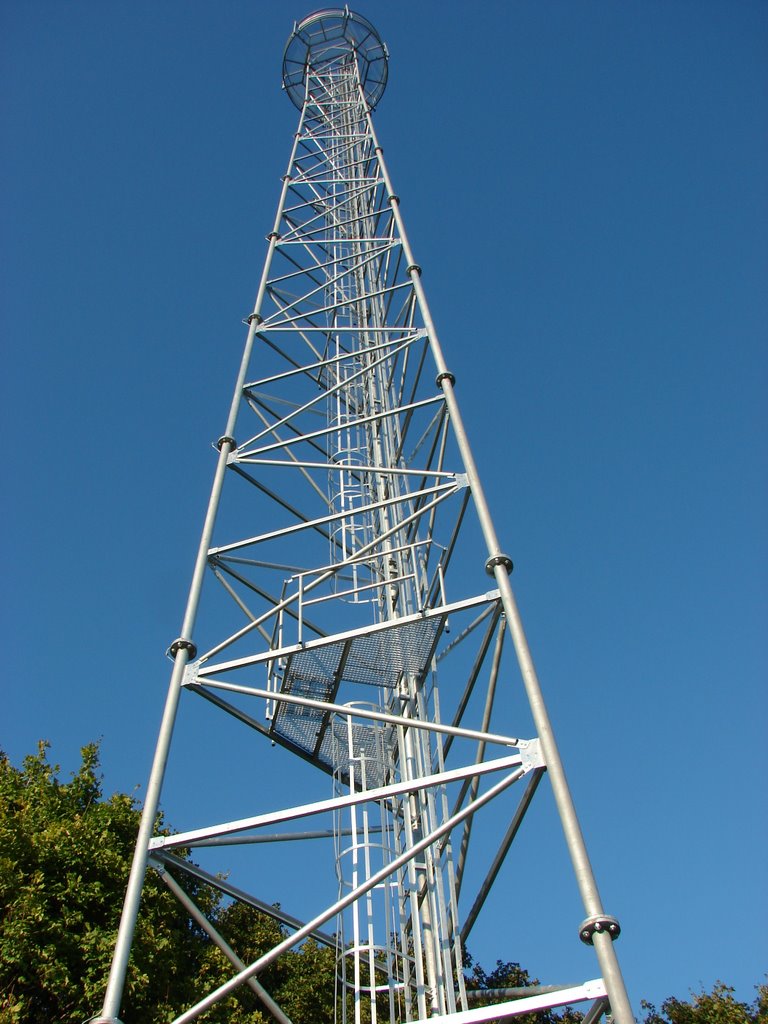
(716, 1007)
(506, 976)
(65, 854)
(64, 860)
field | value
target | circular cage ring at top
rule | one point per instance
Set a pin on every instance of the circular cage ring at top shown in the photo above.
(331, 36)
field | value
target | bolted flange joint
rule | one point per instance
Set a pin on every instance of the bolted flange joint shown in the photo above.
(599, 923)
(413, 266)
(183, 645)
(253, 318)
(393, 198)
(273, 234)
(226, 439)
(499, 559)
(445, 375)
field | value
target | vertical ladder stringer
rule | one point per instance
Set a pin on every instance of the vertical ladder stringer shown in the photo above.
(348, 608)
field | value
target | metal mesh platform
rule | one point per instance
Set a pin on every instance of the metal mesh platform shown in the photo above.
(377, 658)
(329, 747)
(374, 659)
(368, 745)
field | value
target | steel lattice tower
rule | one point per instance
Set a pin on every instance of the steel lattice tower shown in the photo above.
(353, 509)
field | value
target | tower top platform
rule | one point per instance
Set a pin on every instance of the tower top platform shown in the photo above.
(330, 36)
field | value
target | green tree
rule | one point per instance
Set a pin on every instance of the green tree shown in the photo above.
(64, 860)
(716, 1007)
(65, 855)
(301, 981)
(307, 993)
(507, 975)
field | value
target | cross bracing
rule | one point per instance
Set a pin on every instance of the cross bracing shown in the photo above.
(338, 618)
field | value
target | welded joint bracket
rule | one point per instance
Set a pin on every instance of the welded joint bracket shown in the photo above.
(531, 754)
(461, 480)
(191, 670)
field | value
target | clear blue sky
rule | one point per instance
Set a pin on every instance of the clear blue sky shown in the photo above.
(586, 187)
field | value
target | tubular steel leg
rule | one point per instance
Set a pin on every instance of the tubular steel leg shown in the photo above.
(574, 838)
(114, 993)
(116, 983)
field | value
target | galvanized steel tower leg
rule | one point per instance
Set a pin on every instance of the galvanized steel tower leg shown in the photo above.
(181, 650)
(500, 565)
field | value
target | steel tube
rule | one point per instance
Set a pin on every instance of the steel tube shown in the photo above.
(346, 901)
(116, 982)
(472, 783)
(335, 803)
(197, 915)
(501, 853)
(219, 883)
(376, 716)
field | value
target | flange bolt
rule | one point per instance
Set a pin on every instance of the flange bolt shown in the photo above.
(183, 645)
(599, 923)
(499, 559)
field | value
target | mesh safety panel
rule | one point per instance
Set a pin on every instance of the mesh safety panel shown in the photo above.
(373, 659)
